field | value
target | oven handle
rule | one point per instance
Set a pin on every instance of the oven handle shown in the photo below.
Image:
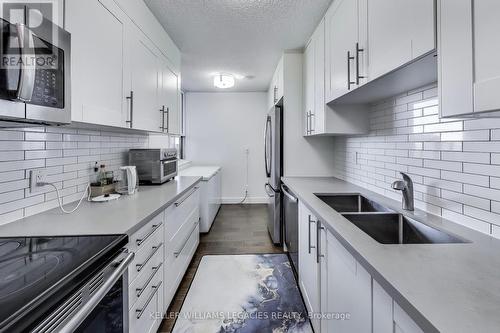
(28, 72)
(99, 294)
(169, 161)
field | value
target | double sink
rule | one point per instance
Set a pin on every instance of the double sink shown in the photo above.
(383, 224)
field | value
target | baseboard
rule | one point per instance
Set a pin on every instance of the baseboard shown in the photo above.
(251, 200)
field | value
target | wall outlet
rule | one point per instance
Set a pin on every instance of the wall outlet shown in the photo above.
(37, 177)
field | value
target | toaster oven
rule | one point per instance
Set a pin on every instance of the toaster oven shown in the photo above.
(154, 166)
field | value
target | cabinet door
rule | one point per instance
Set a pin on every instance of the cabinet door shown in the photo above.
(403, 323)
(318, 119)
(345, 289)
(144, 83)
(389, 39)
(486, 50)
(169, 98)
(341, 37)
(308, 267)
(97, 61)
(382, 310)
(308, 85)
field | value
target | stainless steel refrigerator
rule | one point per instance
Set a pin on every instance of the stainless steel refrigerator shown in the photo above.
(274, 171)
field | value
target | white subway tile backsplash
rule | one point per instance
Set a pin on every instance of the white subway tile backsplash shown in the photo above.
(66, 154)
(454, 163)
(495, 231)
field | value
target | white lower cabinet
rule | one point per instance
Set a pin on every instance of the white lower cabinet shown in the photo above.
(334, 284)
(210, 201)
(163, 250)
(308, 263)
(345, 289)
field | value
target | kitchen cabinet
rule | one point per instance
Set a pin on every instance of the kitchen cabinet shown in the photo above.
(97, 60)
(398, 32)
(466, 33)
(145, 276)
(345, 288)
(309, 273)
(182, 236)
(382, 310)
(345, 42)
(403, 323)
(276, 88)
(169, 98)
(319, 117)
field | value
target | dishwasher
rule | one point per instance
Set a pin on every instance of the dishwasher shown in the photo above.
(291, 226)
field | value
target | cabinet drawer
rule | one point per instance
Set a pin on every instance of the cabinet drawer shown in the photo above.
(138, 287)
(145, 315)
(140, 238)
(178, 213)
(176, 264)
(150, 251)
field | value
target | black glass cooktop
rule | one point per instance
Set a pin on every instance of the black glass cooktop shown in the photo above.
(36, 272)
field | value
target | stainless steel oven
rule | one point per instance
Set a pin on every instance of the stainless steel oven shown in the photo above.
(34, 68)
(154, 166)
(100, 305)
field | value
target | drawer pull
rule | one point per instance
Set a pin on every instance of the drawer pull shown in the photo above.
(177, 253)
(155, 249)
(139, 241)
(139, 291)
(139, 312)
(178, 203)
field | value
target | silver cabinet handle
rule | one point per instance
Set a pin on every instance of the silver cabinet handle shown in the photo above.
(139, 291)
(311, 221)
(139, 312)
(358, 51)
(288, 195)
(27, 75)
(168, 120)
(139, 267)
(139, 241)
(318, 242)
(131, 99)
(72, 324)
(178, 203)
(162, 110)
(349, 82)
(308, 114)
(312, 128)
(178, 252)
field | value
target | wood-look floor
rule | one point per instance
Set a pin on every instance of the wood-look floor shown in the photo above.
(237, 229)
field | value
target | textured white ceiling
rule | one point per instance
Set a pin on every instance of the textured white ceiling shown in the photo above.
(242, 37)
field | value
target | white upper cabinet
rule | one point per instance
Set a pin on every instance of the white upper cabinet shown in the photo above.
(144, 79)
(344, 61)
(398, 32)
(169, 98)
(97, 60)
(276, 88)
(124, 66)
(467, 41)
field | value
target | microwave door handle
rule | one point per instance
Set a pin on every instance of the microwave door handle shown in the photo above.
(28, 71)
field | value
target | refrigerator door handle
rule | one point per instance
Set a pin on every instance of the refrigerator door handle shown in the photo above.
(268, 147)
(267, 187)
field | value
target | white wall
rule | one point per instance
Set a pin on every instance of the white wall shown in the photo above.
(454, 163)
(219, 127)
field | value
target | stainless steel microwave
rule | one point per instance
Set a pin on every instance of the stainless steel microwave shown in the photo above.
(34, 71)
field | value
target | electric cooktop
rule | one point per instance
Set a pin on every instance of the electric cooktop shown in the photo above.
(36, 272)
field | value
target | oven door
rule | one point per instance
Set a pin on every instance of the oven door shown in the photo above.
(168, 169)
(100, 305)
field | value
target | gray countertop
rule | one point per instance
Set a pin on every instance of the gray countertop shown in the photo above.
(443, 287)
(123, 216)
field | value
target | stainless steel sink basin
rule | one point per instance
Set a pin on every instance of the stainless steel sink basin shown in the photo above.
(398, 229)
(351, 203)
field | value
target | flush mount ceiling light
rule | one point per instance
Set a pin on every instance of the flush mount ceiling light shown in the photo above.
(224, 81)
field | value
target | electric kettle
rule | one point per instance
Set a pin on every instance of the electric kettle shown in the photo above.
(128, 180)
